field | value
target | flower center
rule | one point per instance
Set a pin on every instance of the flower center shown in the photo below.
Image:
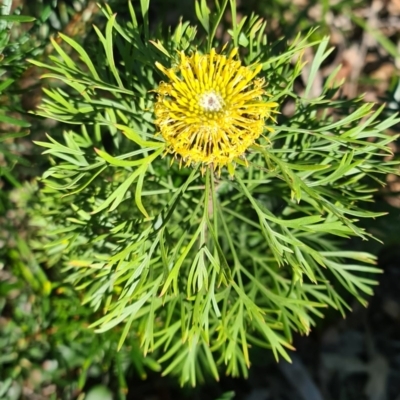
(211, 101)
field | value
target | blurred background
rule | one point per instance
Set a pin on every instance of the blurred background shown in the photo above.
(46, 349)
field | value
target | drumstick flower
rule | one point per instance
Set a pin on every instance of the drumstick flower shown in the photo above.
(212, 109)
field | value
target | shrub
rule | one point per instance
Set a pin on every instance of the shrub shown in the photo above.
(188, 207)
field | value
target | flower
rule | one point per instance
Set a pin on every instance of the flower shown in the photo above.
(212, 109)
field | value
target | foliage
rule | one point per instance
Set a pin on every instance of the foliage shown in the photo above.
(11, 124)
(203, 267)
(195, 269)
(47, 348)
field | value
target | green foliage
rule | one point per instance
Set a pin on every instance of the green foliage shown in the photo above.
(12, 126)
(201, 268)
(46, 344)
(47, 348)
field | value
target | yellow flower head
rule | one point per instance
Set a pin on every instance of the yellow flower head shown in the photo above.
(212, 109)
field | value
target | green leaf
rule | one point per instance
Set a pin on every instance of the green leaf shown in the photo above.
(84, 55)
(17, 18)
(107, 42)
(138, 191)
(14, 121)
(6, 136)
(135, 137)
(65, 57)
(318, 59)
(203, 14)
(119, 162)
(5, 84)
(117, 196)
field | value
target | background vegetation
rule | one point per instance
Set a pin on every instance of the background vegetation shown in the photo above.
(47, 349)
